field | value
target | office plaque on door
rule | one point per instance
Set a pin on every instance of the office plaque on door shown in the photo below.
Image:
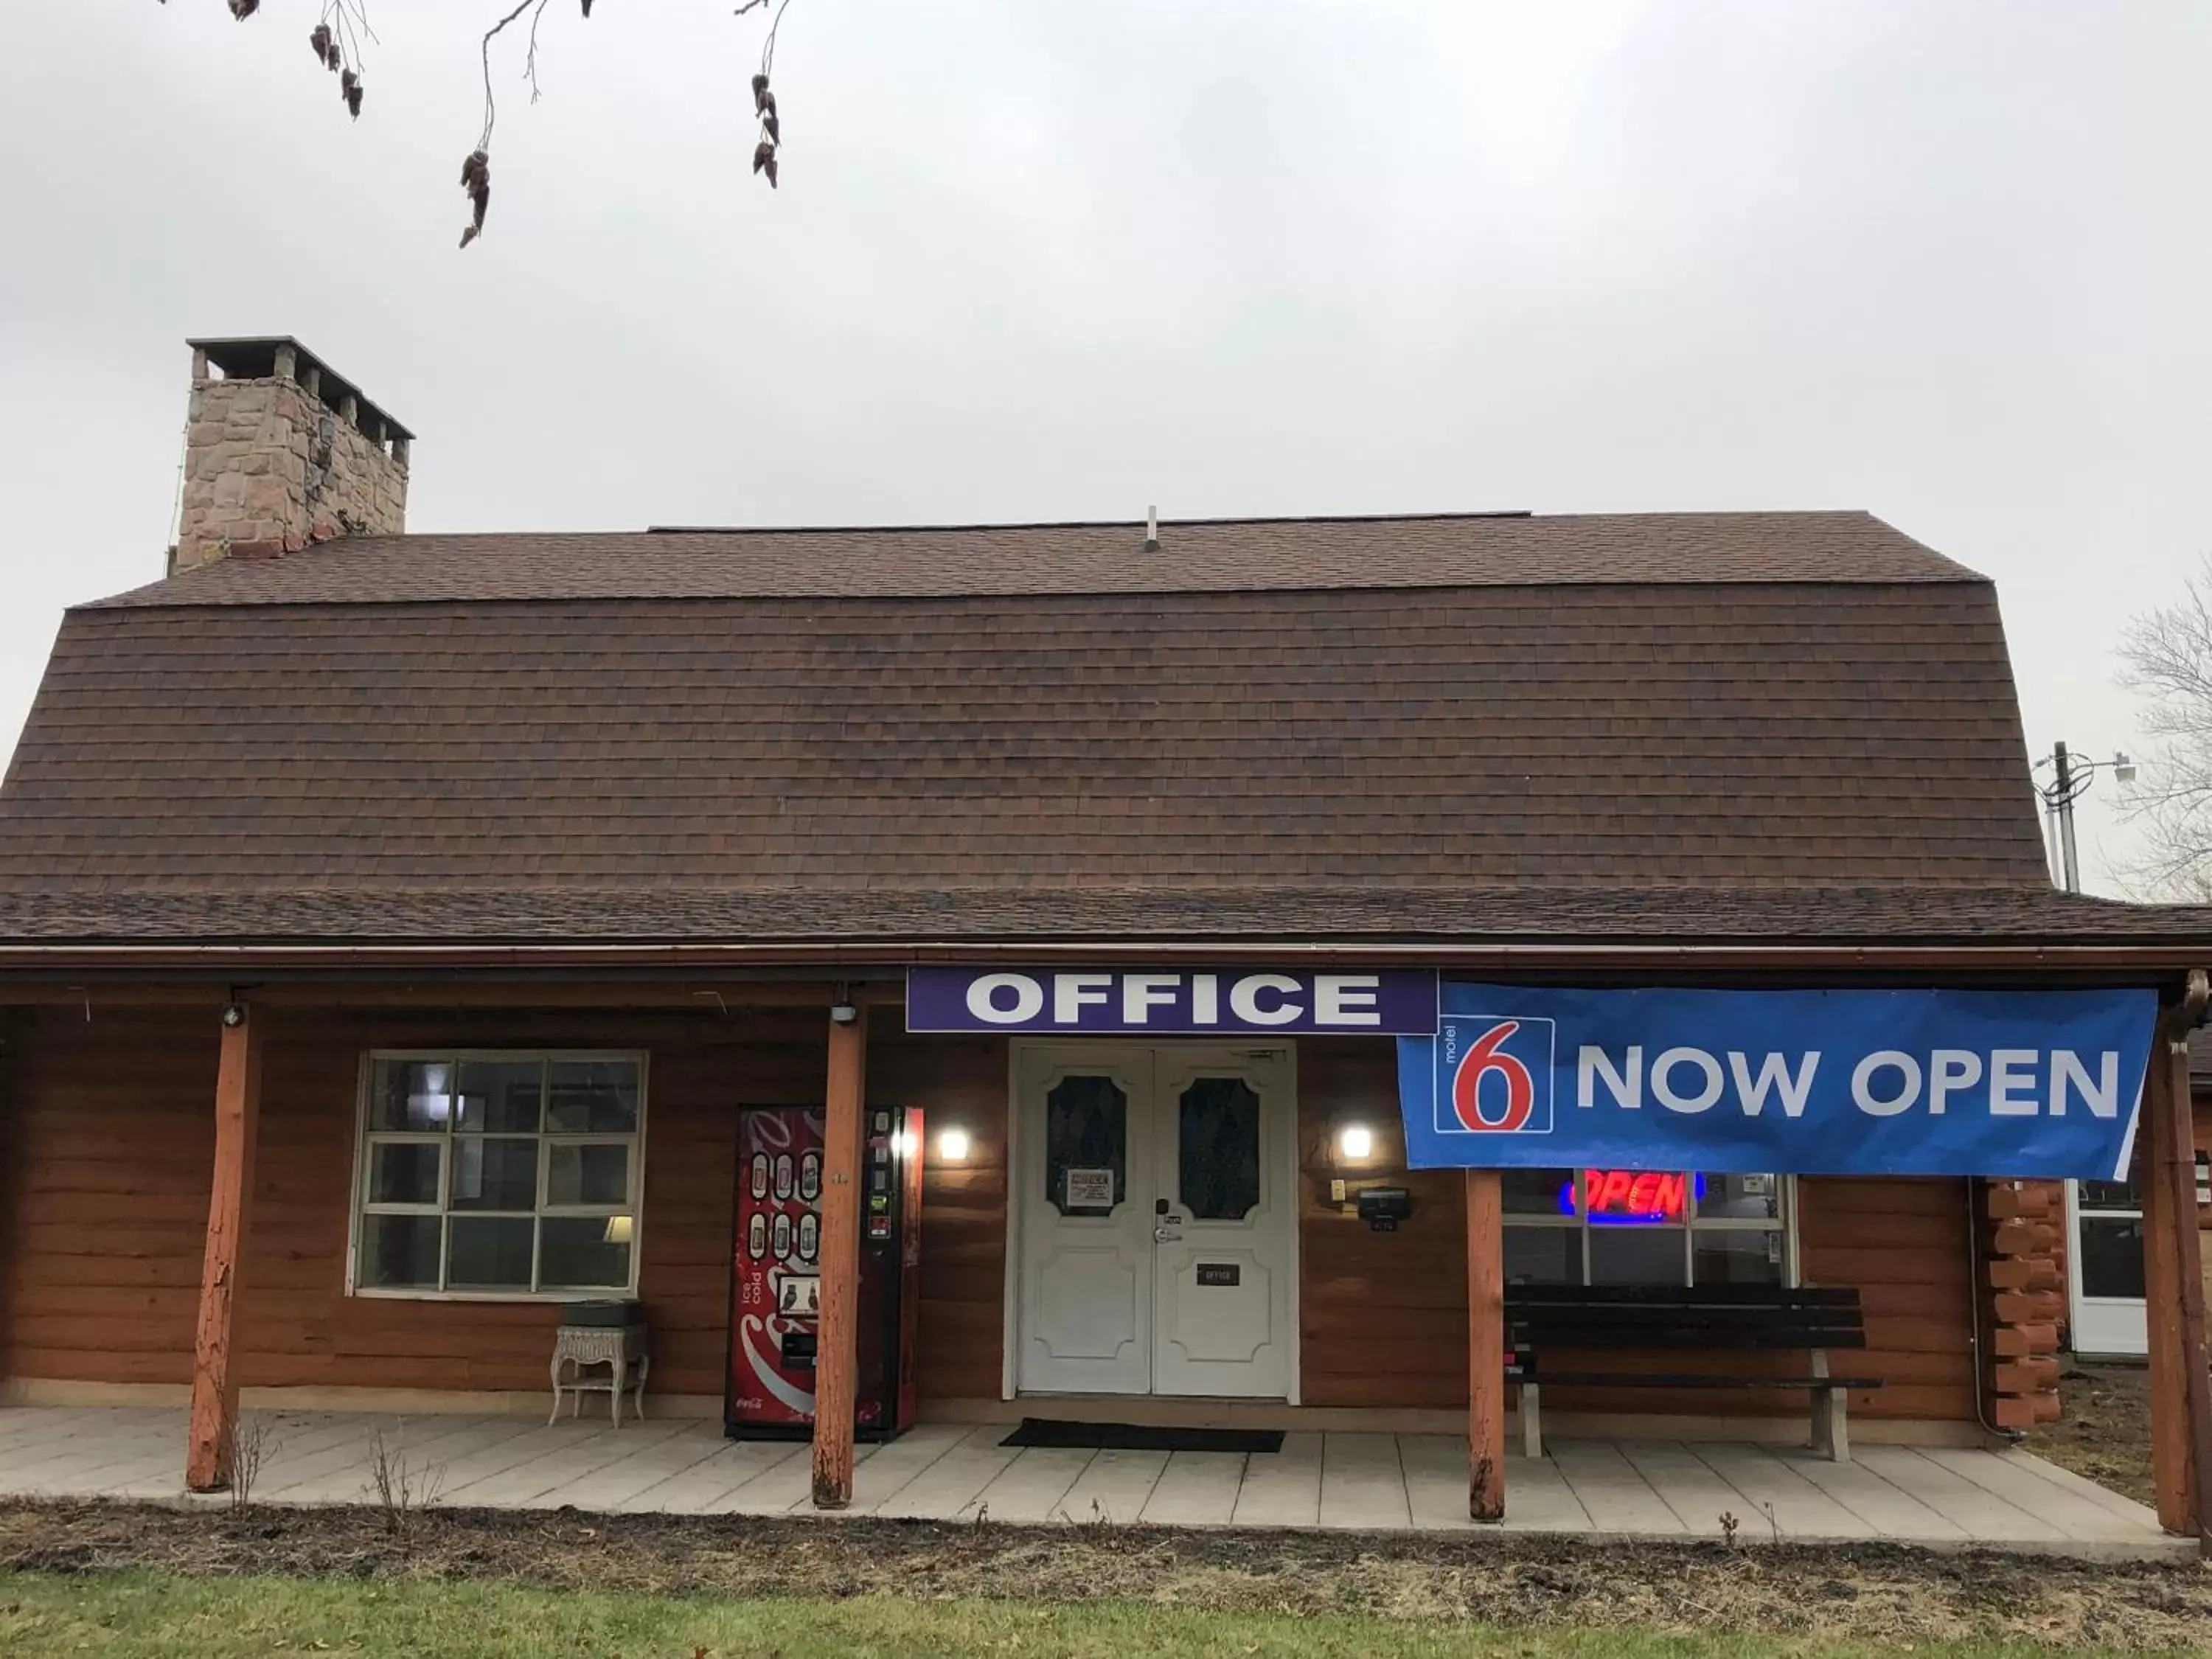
(1222, 1274)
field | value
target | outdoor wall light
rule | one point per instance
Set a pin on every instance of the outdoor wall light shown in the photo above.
(843, 1013)
(233, 1016)
(1355, 1143)
(952, 1146)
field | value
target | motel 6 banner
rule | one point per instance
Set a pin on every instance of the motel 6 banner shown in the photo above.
(2029, 1084)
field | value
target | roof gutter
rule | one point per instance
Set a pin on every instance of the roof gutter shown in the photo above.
(1611, 956)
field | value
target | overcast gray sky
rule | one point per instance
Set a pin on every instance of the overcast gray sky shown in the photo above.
(1943, 259)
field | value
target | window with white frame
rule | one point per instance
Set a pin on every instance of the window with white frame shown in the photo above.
(498, 1173)
(1640, 1227)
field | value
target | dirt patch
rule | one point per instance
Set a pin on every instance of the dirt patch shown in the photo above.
(2105, 1432)
(1876, 1594)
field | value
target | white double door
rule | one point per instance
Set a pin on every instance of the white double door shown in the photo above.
(1154, 1185)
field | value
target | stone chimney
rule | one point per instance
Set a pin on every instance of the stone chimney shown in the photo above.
(281, 453)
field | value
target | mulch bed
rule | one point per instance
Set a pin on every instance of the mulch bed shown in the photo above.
(2105, 1432)
(1868, 1593)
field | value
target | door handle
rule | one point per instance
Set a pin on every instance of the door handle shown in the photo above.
(1166, 1235)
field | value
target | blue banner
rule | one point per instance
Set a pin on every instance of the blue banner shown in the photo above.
(2030, 1084)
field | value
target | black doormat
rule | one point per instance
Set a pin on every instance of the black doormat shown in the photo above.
(1132, 1436)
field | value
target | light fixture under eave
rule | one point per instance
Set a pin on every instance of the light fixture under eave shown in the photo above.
(952, 1146)
(1355, 1142)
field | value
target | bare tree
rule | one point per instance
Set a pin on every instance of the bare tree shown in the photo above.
(342, 26)
(2165, 659)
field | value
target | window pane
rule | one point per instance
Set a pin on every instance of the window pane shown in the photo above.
(500, 1095)
(580, 1252)
(1637, 1255)
(2110, 1196)
(1218, 1149)
(586, 1175)
(399, 1252)
(493, 1174)
(404, 1171)
(2112, 1258)
(1543, 1256)
(410, 1094)
(1736, 1256)
(1740, 1197)
(1537, 1191)
(490, 1252)
(1086, 1145)
(593, 1096)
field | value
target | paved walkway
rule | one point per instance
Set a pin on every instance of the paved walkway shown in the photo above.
(958, 1472)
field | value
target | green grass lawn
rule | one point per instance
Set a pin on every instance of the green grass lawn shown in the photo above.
(142, 1613)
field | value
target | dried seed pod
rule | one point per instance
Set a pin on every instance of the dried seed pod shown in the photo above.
(242, 10)
(475, 181)
(775, 127)
(320, 40)
(349, 89)
(761, 96)
(587, 8)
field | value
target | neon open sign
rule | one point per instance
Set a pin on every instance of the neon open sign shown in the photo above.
(1633, 1198)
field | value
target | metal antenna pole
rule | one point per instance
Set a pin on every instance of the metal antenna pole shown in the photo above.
(2069, 860)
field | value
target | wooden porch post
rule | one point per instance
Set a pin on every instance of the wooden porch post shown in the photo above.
(2174, 1284)
(837, 1360)
(215, 1377)
(1486, 1348)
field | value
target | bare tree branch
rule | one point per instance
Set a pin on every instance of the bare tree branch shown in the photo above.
(2165, 659)
(491, 111)
(342, 24)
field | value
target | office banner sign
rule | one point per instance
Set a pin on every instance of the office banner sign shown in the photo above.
(1172, 1001)
(2042, 1083)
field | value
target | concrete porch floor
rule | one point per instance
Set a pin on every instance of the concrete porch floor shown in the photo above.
(955, 1472)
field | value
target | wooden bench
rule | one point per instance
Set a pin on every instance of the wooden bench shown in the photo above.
(1732, 1318)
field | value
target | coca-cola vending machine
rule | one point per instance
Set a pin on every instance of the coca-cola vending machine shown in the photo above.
(775, 1288)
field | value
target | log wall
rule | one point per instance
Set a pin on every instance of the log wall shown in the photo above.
(106, 1165)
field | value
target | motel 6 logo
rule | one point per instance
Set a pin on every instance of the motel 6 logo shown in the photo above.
(1494, 1075)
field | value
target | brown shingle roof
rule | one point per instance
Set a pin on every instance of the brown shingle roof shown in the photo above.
(1603, 729)
(1620, 737)
(1338, 912)
(1209, 556)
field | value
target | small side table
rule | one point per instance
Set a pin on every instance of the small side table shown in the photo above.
(620, 1348)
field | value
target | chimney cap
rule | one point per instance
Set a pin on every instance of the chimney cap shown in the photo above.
(253, 356)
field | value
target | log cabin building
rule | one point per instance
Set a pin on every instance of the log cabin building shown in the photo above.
(393, 927)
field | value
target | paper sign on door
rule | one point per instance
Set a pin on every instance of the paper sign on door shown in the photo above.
(1089, 1189)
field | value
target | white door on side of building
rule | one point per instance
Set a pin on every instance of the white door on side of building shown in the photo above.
(2105, 1268)
(1156, 1196)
